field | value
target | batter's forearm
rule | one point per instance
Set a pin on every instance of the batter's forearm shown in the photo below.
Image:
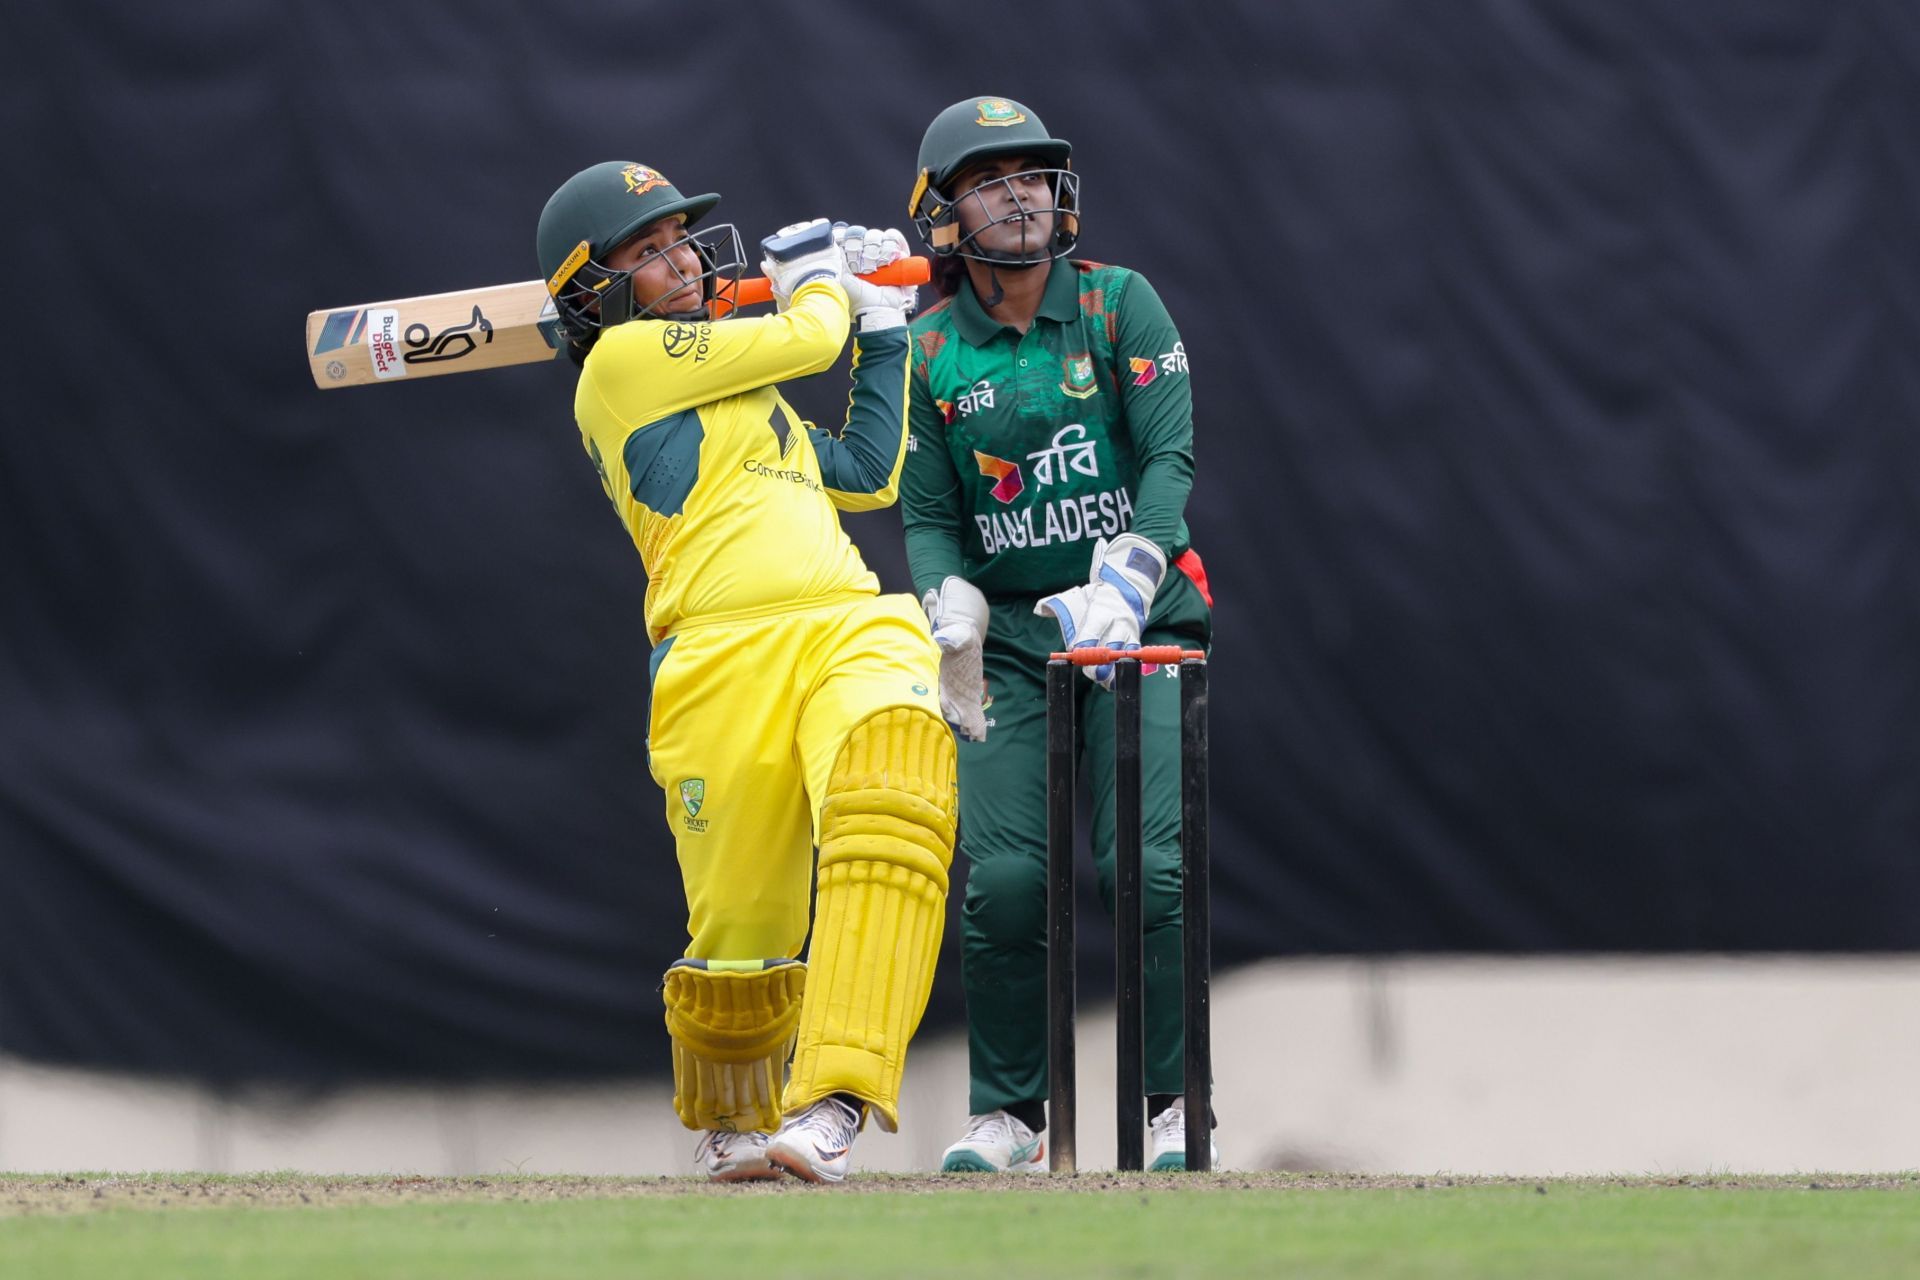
(861, 466)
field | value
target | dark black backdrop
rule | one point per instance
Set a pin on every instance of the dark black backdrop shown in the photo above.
(1555, 373)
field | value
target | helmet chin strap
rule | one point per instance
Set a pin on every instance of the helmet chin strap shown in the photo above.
(1025, 260)
(994, 264)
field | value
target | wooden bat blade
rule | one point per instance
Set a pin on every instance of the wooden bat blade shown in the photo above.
(473, 329)
(437, 334)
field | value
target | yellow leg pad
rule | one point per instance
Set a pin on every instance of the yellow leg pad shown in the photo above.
(886, 839)
(732, 1024)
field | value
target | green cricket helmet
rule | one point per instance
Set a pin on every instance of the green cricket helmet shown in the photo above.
(975, 129)
(597, 210)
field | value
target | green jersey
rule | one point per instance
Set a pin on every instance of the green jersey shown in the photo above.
(1024, 449)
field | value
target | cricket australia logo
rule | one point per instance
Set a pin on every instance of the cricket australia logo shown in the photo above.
(693, 794)
(641, 179)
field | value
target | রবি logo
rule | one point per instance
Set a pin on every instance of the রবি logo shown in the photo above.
(1008, 482)
(1144, 371)
(641, 179)
(999, 112)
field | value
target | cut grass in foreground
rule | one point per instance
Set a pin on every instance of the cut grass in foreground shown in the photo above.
(1159, 1226)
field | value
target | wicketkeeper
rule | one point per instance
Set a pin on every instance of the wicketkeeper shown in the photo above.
(1051, 457)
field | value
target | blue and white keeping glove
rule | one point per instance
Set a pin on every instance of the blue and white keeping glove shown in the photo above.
(957, 613)
(797, 253)
(1111, 610)
(874, 306)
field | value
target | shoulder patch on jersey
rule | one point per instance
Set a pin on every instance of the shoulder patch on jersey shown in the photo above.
(663, 462)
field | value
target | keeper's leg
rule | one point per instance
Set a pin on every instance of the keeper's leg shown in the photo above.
(886, 838)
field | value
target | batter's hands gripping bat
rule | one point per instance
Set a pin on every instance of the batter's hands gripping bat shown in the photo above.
(478, 329)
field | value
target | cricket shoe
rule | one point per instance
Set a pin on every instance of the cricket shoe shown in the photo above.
(996, 1142)
(817, 1144)
(1169, 1130)
(733, 1157)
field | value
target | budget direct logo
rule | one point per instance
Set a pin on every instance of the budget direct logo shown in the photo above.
(383, 346)
(1006, 475)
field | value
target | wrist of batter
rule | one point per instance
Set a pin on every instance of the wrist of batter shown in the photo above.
(875, 319)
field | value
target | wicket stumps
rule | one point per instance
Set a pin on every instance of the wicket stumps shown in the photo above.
(1130, 1114)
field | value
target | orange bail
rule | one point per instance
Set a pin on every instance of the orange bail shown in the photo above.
(1165, 655)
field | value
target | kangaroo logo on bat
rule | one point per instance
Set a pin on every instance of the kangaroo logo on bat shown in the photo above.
(450, 343)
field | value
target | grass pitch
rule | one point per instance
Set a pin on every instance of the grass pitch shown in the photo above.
(281, 1227)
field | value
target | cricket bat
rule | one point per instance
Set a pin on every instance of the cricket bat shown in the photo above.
(473, 329)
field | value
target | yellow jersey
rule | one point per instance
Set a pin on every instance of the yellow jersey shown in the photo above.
(730, 497)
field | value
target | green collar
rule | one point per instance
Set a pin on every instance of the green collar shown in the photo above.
(1060, 301)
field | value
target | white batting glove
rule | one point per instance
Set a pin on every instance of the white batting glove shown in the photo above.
(1111, 610)
(957, 612)
(790, 259)
(863, 251)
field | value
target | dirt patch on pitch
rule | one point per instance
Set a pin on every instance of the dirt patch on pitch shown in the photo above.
(22, 1194)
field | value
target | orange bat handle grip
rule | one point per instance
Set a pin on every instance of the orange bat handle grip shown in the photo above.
(759, 289)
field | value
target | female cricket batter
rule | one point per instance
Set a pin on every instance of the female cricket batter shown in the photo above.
(1052, 425)
(792, 704)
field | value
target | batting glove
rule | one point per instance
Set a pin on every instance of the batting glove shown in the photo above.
(1111, 610)
(957, 612)
(796, 254)
(875, 306)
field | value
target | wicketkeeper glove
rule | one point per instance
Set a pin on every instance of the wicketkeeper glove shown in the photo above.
(957, 612)
(1111, 610)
